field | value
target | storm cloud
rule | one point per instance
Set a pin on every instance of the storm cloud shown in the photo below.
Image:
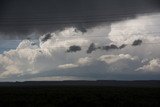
(20, 17)
(118, 60)
(109, 47)
(137, 42)
(74, 48)
(91, 48)
(46, 37)
(122, 46)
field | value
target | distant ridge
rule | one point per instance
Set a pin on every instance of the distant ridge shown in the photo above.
(114, 83)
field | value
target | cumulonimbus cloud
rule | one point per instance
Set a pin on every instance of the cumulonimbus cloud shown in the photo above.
(51, 56)
(31, 59)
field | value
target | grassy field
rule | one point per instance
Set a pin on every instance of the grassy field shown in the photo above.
(79, 96)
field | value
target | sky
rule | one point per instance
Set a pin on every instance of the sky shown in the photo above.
(79, 40)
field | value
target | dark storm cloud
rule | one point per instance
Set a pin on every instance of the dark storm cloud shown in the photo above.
(25, 16)
(91, 48)
(33, 43)
(137, 42)
(109, 47)
(122, 46)
(46, 37)
(74, 48)
(112, 46)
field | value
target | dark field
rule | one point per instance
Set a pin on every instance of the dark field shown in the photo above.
(79, 96)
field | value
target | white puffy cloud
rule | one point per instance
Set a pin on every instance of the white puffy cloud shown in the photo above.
(26, 44)
(31, 58)
(84, 61)
(81, 62)
(153, 65)
(7, 66)
(145, 60)
(145, 28)
(109, 59)
(66, 66)
(64, 39)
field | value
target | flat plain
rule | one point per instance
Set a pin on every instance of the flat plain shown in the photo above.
(67, 95)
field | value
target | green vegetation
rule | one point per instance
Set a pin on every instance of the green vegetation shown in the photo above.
(79, 96)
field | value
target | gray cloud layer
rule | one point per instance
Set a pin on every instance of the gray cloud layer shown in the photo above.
(18, 17)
